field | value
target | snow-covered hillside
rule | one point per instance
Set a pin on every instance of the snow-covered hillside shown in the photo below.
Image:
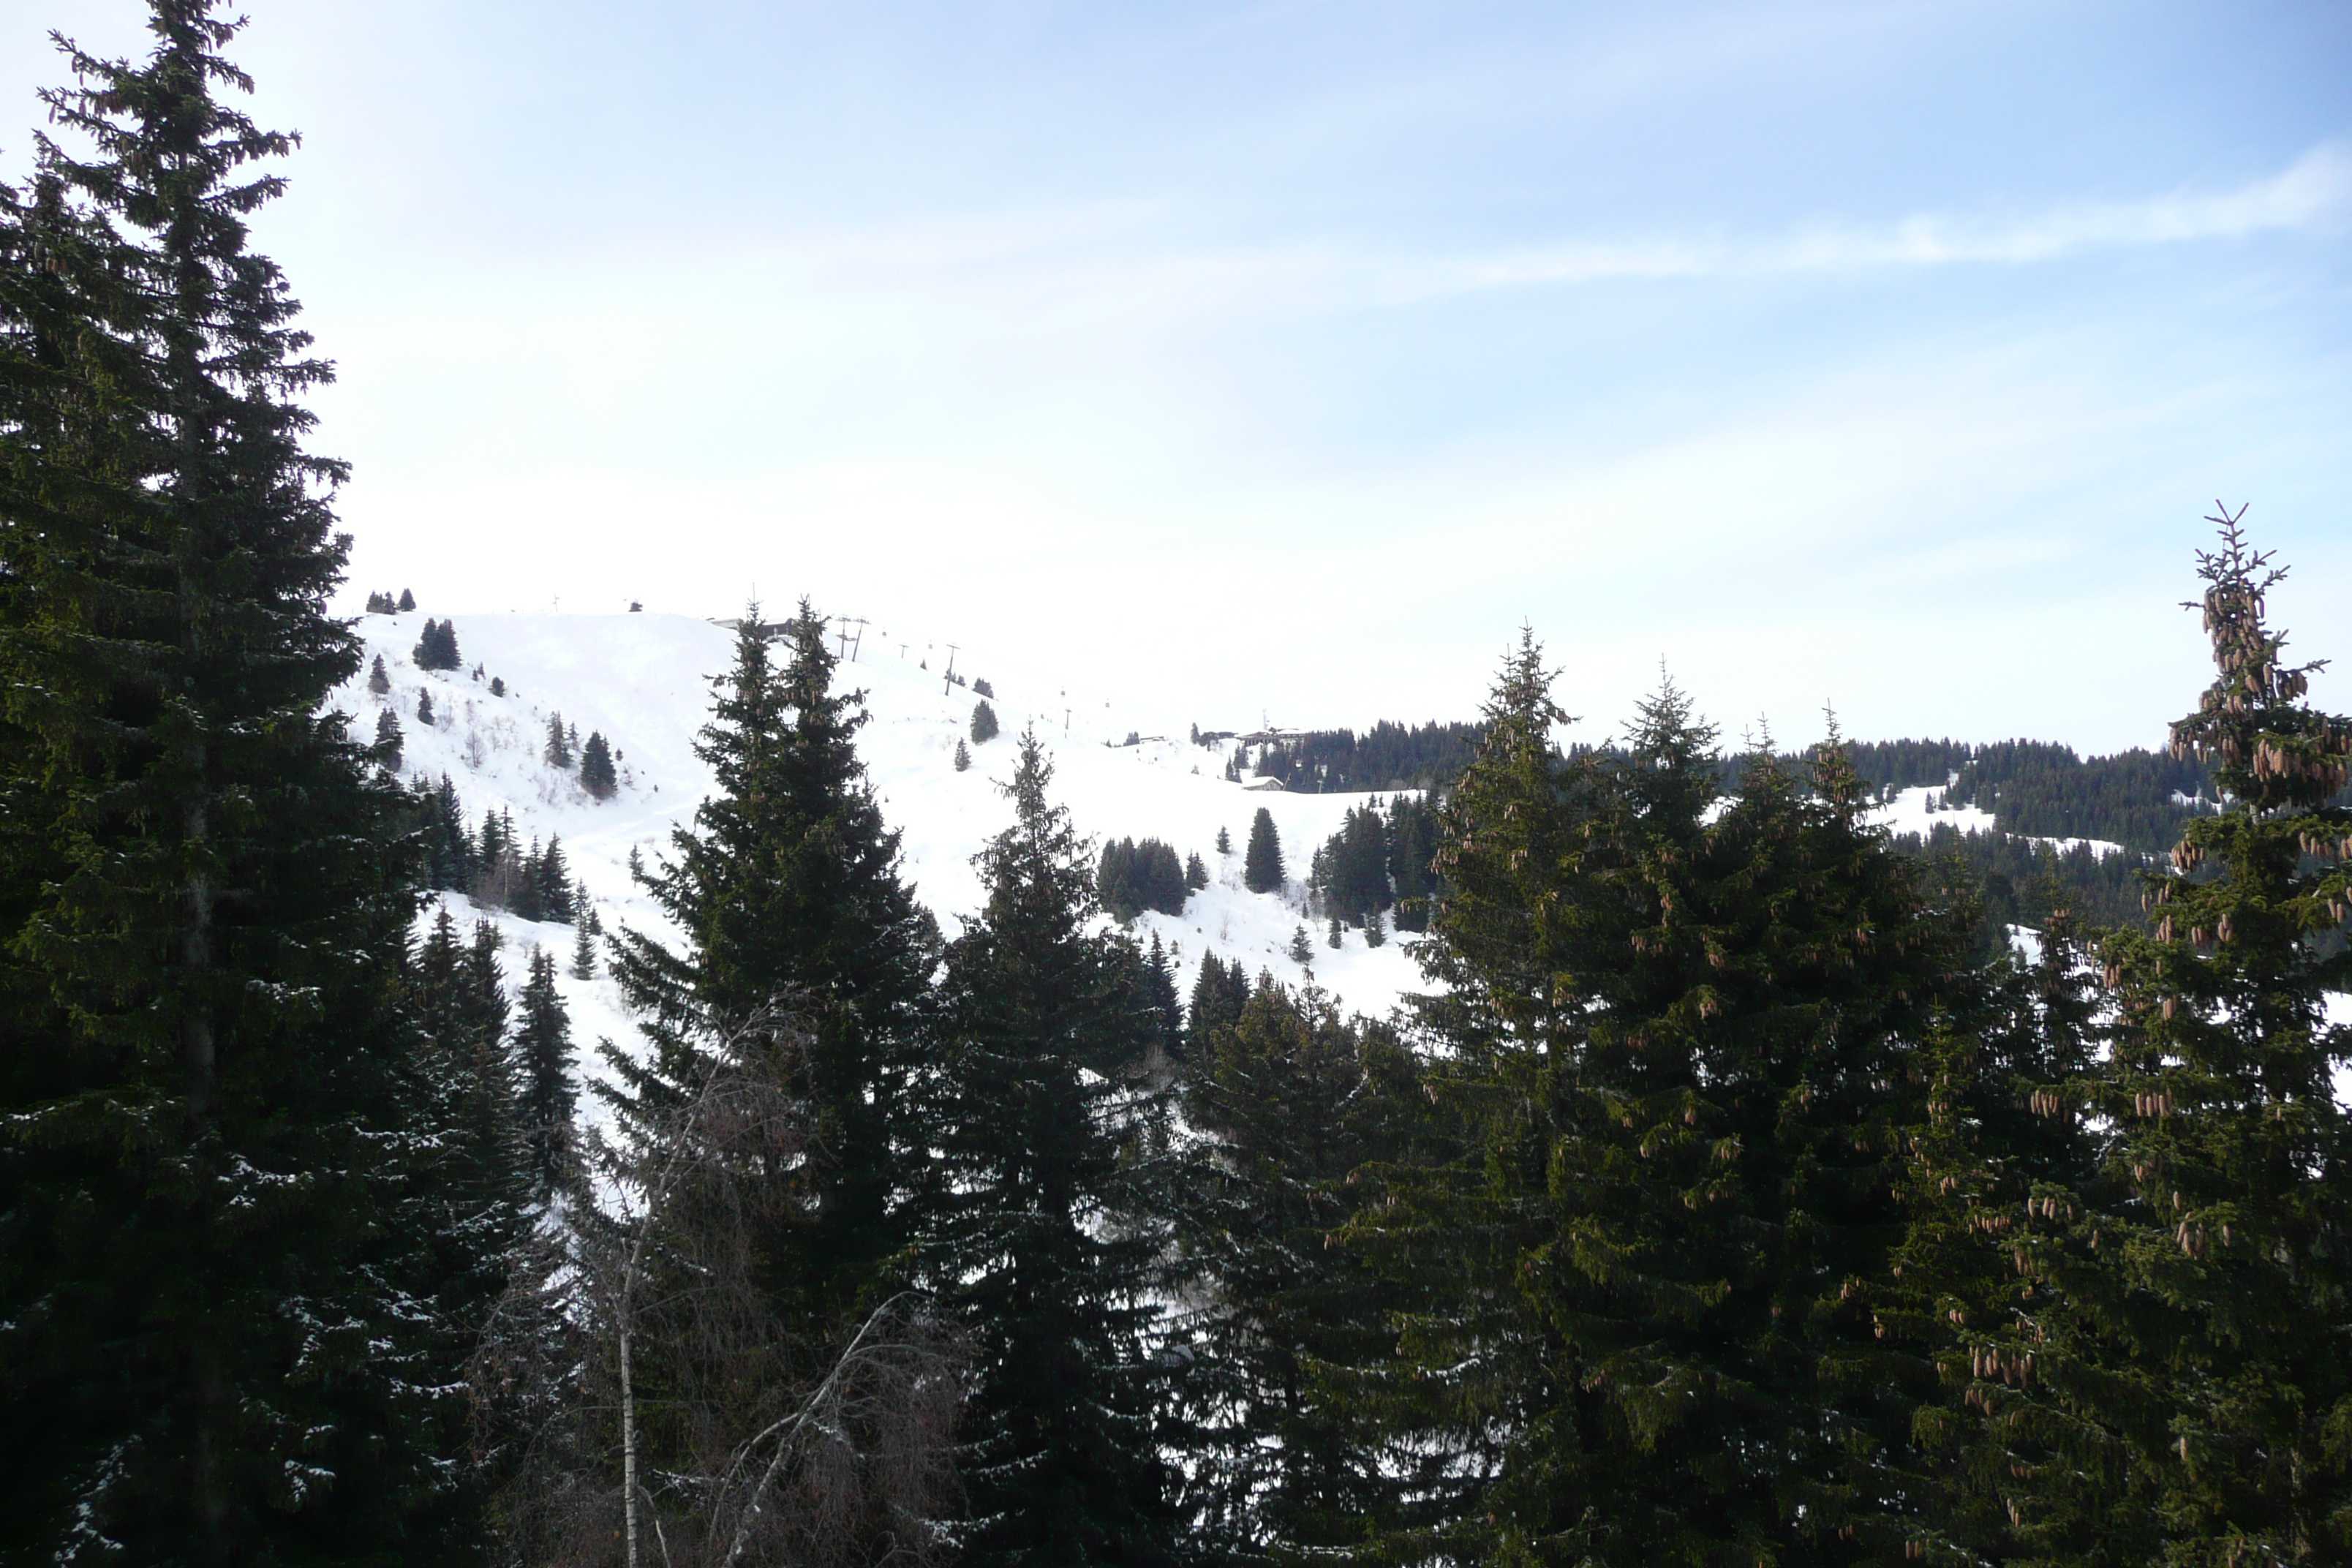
(644, 680)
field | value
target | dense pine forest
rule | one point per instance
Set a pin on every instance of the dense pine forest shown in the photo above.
(1733, 1190)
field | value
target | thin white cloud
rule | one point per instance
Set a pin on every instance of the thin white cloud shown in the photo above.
(2312, 192)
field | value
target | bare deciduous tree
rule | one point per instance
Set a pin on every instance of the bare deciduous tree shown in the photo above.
(682, 1421)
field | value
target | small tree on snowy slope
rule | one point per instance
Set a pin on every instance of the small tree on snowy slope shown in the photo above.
(598, 776)
(556, 752)
(379, 681)
(983, 723)
(388, 740)
(543, 1048)
(1262, 864)
(963, 756)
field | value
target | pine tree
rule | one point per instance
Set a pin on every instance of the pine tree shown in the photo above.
(983, 723)
(583, 948)
(1301, 950)
(449, 852)
(1374, 935)
(1047, 1227)
(551, 875)
(2215, 1356)
(1196, 873)
(425, 707)
(1685, 1049)
(407, 601)
(498, 687)
(542, 1050)
(1262, 865)
(1220, 992)
(1295, 1102)
(378, 681)
(1331, 938)
(787, 889)
(388, 740)
(219, 1342)
(556, 752)
(1224, 842)
(598, 776)
(963, 756)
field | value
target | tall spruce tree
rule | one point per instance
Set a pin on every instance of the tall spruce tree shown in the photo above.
(1292, 1100)
(1050, 1224)
(2216, 1355)
(210, 1276)
(786, 887)
(1684, 1047)
(1262, 862)
(546, 1093)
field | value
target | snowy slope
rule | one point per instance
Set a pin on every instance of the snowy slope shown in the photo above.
(645, 681)
(1911, 812)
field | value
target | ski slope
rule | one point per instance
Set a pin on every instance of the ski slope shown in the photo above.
(645, 681)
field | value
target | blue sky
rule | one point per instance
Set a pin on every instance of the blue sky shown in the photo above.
(1286, 358)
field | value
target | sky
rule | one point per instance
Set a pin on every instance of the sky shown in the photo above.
(1284, 360)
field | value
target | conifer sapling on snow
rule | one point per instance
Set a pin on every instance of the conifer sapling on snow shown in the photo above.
(379, 683)
(597, 774)
(1262, 864)
(407, 601)
(388, 740)
(424, 706)
(962, 755)
(983, 723)
(1302, 951)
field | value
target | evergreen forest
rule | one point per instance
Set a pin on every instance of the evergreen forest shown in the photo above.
(1731, 1190)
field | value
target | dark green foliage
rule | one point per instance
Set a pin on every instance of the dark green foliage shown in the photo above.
(556, 752)
(436, 647)
(551, 876)
(378, 604)
(2217, 1355)
(1163, 1027)
(1301, 950)
(786, 887)
(542, 1052)
(1220, 992)
(1261, 863)
(1413, 840)
(424, 706)
(448, 848)
(598, 776)
(221, 1341)
(378, 682)
(963, 756)
(1332, 938)
(1293, 1101)
(1196, 872)
(1682, 1049)
(982, 688)
(388, 740)
(1137, 877)
(1224, 842)
(1386, 757)
(983, 723)
(407, 601)
(1048, 1226)
(1351, 871)
(583, 944)
(1375, 930)
(2019, 881)
(498, 687)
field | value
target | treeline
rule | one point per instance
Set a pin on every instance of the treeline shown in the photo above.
(1388, 756)
(2137, 798)
(1134, 877)
(492, 864)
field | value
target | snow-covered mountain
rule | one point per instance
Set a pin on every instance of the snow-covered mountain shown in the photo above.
(644, 680)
